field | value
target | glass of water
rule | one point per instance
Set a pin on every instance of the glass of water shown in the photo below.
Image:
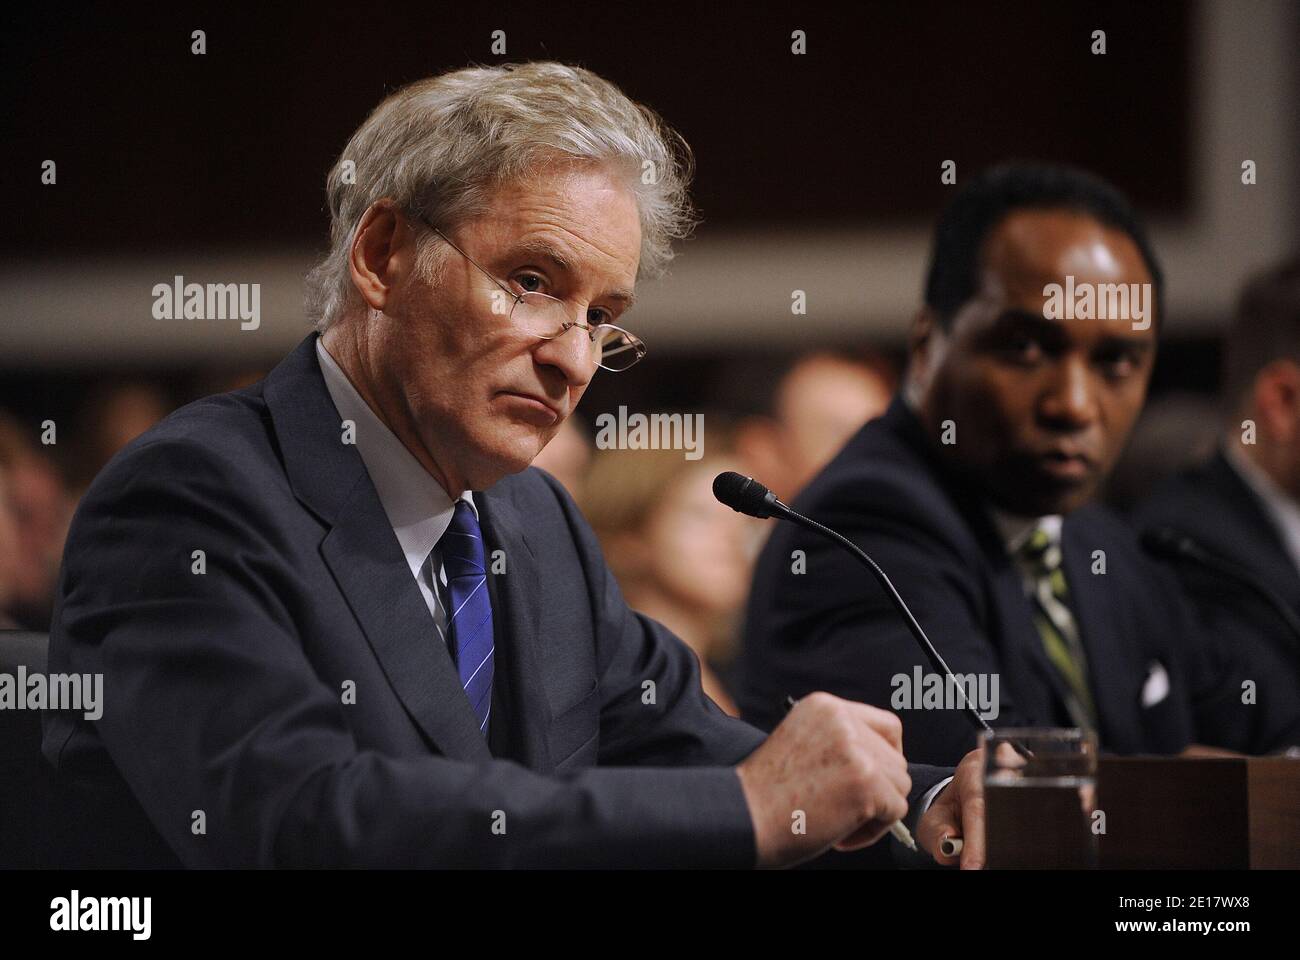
(1040, 794)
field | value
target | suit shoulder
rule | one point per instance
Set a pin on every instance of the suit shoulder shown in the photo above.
(1185, 495)
(221, 436)
(878, 478)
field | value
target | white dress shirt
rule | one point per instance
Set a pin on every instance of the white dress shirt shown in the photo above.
(418, 509)
(1282, 509)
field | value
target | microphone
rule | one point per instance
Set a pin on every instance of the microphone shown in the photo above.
(1172, 545)
(746, 495)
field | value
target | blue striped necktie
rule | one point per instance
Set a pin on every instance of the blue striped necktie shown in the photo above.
(469, 620)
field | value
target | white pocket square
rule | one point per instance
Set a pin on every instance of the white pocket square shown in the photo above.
(1156, 687)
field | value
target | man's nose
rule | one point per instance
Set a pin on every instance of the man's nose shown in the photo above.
(570, 353)
(1070, 399)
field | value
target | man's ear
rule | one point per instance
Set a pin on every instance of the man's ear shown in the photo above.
(1277, 401)
(924, 341)
(921, 333)
(382, 250)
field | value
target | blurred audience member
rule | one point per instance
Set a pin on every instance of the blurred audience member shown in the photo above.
(1174, 431)
(1242, 505)
(8, 554)
(115, 415)
(680, 556)
(39, 510)
(224, 380)
(819, 402)
(568, 456)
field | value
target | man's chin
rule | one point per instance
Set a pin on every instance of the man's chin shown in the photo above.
(505, 459)
(1048, 500)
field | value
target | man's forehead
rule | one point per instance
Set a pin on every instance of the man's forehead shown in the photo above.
(583, 263)
(1031, 248)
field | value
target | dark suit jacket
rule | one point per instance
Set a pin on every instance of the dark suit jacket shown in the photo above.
(1250, 641)
(294, 702)
(832, 627)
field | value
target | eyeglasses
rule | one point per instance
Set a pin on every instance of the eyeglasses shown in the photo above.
(546, 317)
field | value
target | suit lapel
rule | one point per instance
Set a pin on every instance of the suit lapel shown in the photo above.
(1095, 612)
(516, 596)
(361, 551)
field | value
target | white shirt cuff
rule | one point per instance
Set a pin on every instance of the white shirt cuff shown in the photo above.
(928, 797)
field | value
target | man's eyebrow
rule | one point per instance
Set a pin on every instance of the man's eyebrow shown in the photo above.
(549, 251)
(1015, 317)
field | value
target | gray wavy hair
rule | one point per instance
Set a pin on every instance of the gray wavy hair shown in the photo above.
(440, 146)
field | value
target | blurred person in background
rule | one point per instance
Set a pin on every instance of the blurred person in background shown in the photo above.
(820, 401)
(1242, 505)
(8, 554)
(115, 414)
(39, 510)
(1174, 432)
(679, 555)
(568, 456)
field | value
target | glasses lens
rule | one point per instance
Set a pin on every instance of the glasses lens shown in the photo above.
(543, 316)
(616, 349)
(539, 315)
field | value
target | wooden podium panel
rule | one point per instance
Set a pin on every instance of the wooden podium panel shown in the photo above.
(1273, 788)
(1199, 813)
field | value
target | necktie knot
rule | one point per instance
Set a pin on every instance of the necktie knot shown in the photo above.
(462, 544)
(1041, 554)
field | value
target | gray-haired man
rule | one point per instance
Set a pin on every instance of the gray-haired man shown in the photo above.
(403, 646)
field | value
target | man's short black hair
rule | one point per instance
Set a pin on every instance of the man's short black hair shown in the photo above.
(983, 203)
(1266, 328)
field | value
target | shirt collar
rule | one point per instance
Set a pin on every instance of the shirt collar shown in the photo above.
(1015, 529)
(1283, 510)
(418, 508)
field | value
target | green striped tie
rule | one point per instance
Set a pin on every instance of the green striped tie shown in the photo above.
(1057, 626)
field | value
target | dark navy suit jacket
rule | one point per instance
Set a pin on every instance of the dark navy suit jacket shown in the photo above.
(831, 626)
(1249, 639)
(291, 706)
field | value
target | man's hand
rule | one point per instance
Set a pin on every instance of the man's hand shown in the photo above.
(832, 773)
(958, 811)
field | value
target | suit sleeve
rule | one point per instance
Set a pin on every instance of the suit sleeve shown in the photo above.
(242, 756)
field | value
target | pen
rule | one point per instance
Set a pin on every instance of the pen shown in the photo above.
(897, 830)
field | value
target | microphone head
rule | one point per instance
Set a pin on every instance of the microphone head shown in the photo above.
(744, 494)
